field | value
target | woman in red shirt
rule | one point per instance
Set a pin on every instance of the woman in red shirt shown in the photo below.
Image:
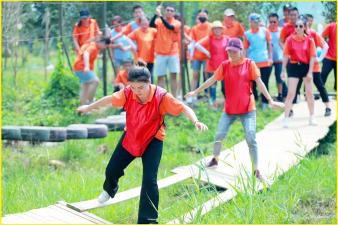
(238, 73)
(146, 106)
(300, 51)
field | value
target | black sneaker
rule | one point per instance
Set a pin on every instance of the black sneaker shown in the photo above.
(327, 112)
(291, 113)
(212, 163)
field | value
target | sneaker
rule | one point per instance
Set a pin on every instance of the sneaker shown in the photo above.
(213, 163)
(104, 196)
(312, 121)
(327, 112)
(291, 113)
(189, 100)
(285, 122)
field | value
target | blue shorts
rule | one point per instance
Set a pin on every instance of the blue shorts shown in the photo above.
(196, 65)
(167, 62)
(85, 77)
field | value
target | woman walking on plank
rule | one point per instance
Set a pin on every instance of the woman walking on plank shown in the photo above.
(238, 73)
(146, 106)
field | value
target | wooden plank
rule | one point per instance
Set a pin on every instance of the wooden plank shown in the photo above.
(126, 195)
(68, 216)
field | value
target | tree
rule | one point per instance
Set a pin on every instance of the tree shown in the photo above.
(329, 11)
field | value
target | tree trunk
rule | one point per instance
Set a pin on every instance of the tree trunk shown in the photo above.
(47, 20)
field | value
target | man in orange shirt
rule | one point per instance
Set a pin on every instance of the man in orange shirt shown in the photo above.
(232, 28)
(84, 69)
(166, 46)
(137, 13)
(85, 31)
(289, 28)
(286, 14)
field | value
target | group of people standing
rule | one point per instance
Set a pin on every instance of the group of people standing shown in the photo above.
(241, 60)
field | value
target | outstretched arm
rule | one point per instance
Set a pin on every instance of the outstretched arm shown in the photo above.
(190, 114)
(105, 101)
(205, 85)
(264, 91)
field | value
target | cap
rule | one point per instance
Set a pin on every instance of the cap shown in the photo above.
(84, 14)
(217, 23)
(255, 17)
(229, 12)
(234, 44)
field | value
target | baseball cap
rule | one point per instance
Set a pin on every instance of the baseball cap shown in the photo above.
(217, 23)
(234, 44)
(255, 17)
(229, 12)
(84, 14)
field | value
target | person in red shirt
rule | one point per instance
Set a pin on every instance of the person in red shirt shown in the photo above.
(330, 61)
(166, 46)
(238, 73)
(84, 68)
(146, 106)
(121, 80)
(85, 31)
(299, 59)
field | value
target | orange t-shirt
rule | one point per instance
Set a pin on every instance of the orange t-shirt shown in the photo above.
(233, 30)
(294, 47)
(254, 73)
(247, 44)
(319, 42)
(145, 41)
(83, 34)
(286, 31)
(93, 51)
(122, 77)
(198, 32)
(169, 105)
(128, 28)
(166, 41)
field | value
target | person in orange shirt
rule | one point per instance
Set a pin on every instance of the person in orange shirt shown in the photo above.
(289, 28)
(132, 26)
(299, 59)
(84, 68)
(238, 73)
(257, 42)
(330, 61)
(201, 30)
(166, 46)
(145, 41)
(286, 14)
(85, 31)
(146, 106)
(232, 28)
(121, 80)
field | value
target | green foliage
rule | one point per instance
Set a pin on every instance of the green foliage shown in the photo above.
(329, 11)
(63, 86)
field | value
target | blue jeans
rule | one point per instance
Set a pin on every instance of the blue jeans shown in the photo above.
(248, 121)
(212, 89)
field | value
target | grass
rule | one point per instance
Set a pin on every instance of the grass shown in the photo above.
(29, 181)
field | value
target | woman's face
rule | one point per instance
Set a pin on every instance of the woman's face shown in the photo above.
(217, 31)
(85, 21)
(234, 55)
(141, 89)
(299, 26)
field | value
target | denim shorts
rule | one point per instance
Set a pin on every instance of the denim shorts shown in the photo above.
(196, 65)
(85, 77)
(167, 62)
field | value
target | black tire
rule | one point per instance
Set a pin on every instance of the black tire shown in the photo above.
(40, 134)
(57, 134)
(94, 130)
(11, 133)
(79, 132)
(114, 123)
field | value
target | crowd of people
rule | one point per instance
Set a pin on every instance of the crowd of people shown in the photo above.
(145, 50)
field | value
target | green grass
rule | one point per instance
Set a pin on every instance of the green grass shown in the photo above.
(29, 182)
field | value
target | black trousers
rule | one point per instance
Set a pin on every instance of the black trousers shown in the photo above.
(150, 67)
(328, 65)
(317, 80)
(265, 76)
(149, 198)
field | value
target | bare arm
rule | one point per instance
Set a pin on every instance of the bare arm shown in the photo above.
(205, 85)
(285, 61)
(76, 44)
(86, 56)
(190, 114)
(103, 102)
(264, 91)
(324, 52)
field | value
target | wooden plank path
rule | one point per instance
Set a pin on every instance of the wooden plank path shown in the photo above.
(279, 149)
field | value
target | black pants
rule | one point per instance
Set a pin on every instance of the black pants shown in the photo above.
(317, 80)
(328, 65)
(265, 76)
(150, 67)
(149, 198)
(278, 72)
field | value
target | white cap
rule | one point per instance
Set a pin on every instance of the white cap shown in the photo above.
(229, 12)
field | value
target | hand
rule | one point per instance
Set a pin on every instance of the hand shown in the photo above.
(86, 69)
(276, 105)
(201, 126)
(191, 93)
(124, 49)
(83, 109)
(309, 76)
(319, 59)
(140, 61)
(77, 50)
(208, 54)
(270, 61)
(120, 45)
(158, 10)
(283, 75)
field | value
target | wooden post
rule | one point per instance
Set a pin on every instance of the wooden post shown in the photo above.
(104, 53)
(183, 56)
(61, 36)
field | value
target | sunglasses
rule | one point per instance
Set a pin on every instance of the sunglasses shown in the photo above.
(272, 21)
(299, 26)
(170, 10)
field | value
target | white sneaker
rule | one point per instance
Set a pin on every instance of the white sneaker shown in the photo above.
(312, 121)
(285, 122)
(189, 100)
(104, 196)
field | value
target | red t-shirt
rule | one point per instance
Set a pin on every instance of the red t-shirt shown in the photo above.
(286, 31)
(300, 49)
(330, 32)
(319, 42)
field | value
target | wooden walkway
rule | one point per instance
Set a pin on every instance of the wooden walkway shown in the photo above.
(279, 149)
